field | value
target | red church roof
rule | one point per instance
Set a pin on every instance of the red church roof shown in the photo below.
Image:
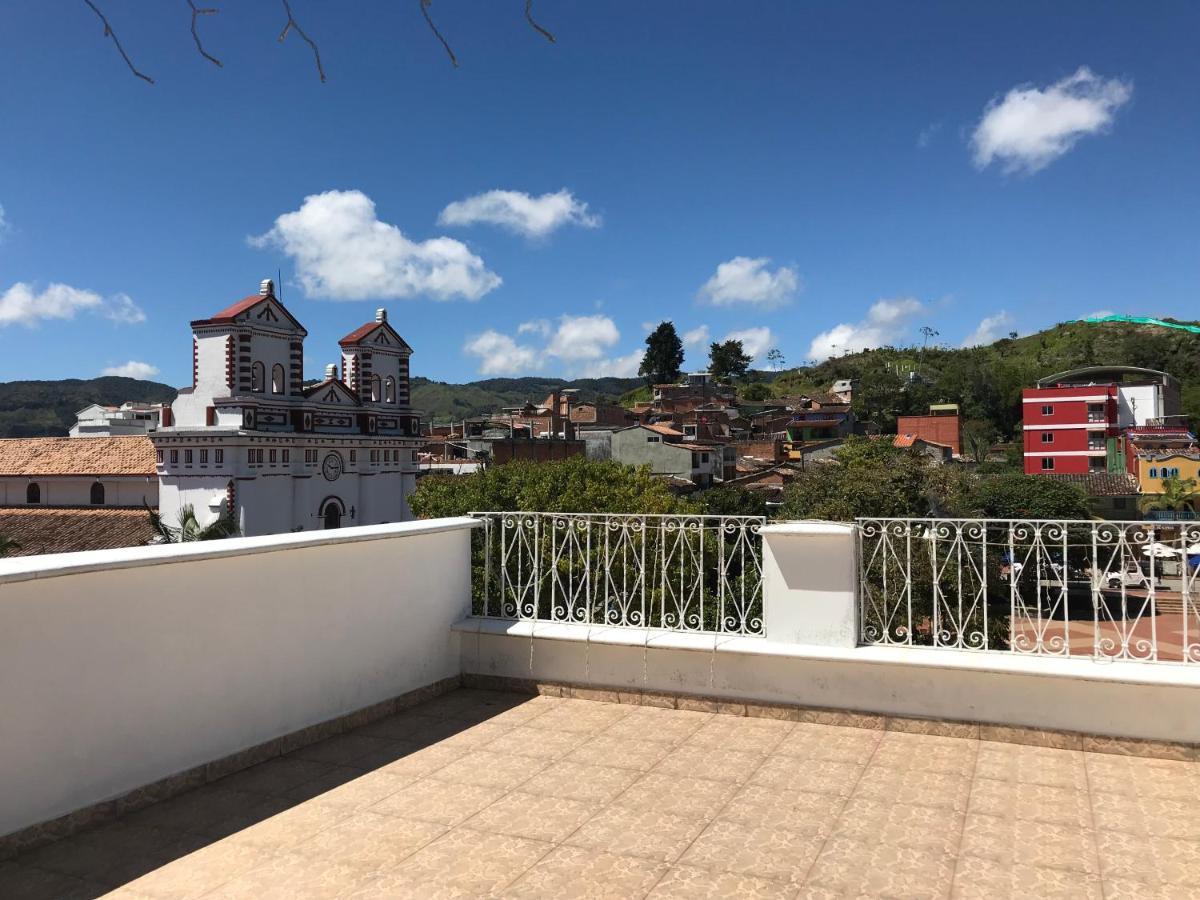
(359, 333)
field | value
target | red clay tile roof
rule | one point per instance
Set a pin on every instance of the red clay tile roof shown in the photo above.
(229, 313)
(65, 530)
(359, 333)
(85, 456)
(665, 429)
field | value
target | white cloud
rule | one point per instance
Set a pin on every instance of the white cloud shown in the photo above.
(746, 280)
(342, 251)
(499, 354)
(583, 338)
(927, 134)
(132, 369)
(1031, 127)
(697, 337)
(22, 305)
(534, 217)
(885, 323)
(536, 326)
(3, 225)
(617, 367)
(989, 330)
(122, 310)
(755, 341)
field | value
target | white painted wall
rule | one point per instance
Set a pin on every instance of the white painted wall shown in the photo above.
(1137, 403)
(1126, 699)
(810, 574)
(121, 667)
(66, 491)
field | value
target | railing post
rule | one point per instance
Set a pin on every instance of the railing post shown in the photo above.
(810, 583)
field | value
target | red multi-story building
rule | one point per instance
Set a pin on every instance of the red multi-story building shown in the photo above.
(1074, 422)
(1067, 428)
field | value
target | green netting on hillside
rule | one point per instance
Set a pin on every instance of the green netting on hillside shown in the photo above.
(1144, 320)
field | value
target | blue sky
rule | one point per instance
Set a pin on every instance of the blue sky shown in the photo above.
(815, 177)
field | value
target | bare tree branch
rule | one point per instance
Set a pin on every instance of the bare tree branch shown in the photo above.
(109, 33)
(196, 13)
(291, 25)
(534, 25)
(425, 12)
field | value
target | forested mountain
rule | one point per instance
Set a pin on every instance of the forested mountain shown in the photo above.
(47, 408)
(987, 381)
(441, 402)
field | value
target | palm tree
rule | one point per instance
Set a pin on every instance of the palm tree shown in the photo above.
(189, 527)
(1177, 494)
(8, 545)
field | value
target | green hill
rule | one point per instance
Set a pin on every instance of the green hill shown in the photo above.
(47, 408)
(987, 381)
(441, 402)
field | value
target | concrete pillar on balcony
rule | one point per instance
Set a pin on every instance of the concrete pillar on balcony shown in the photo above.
(810, 583)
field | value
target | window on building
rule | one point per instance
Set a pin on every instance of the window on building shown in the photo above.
(1096, 441)
(33, 493)
(250, 456)
(1047, 410)
(353, 456)
(97, 494)
(703, 457)
(203, 457)
(1047, 463)
(174, 457)
(258, 377)
(277, 379)
(187, 457)
(1154, 471)
(271, 456)
(219, 456)
(1047, 437)
(374, 388)
(389, 390)
(159, 455)
(1174, 472)
(1096, 412)
(1097, 464)
(653, 439)
(258, 456)
(374, 456)
(287, 455)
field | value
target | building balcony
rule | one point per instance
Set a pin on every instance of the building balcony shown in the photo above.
(537, 705)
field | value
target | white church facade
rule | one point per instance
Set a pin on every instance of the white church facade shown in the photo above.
(249, 439)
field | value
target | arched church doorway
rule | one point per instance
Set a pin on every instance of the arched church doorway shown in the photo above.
(332, 512)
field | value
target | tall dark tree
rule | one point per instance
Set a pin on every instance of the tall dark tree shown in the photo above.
(728, 360)
(664, 355)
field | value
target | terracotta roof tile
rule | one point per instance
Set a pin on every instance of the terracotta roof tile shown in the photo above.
(67, 530)
(665, 429)
(132, 455)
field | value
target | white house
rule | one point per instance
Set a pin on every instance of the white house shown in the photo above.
(131, 418)
(249, 439)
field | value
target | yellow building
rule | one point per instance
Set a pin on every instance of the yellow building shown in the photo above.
(1153, 469)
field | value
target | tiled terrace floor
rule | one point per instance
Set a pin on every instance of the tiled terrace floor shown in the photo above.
(487, 794)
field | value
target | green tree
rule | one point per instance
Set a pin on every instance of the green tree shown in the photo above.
(1178, 494)
(756, 392)
(775, 359)
(189, 527)
(728, 360)
(978, 437)
(570, 485)
(731, 500)
(1029, 497)
(664, 355)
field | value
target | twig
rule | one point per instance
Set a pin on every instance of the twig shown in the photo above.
(196, 13)
(109, 33)
(534, 25)
(293, 24)
(425, 12)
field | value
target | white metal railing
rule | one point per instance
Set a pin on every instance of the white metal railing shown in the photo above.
(675, 572)
(1108, 590)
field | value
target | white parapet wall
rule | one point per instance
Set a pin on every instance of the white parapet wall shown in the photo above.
(122, 667)
(809, 657)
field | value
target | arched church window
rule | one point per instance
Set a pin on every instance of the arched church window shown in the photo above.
(33, 493)
(374, 388)
(97, 494)
(277, 379)
(258, 376)
(389, 390)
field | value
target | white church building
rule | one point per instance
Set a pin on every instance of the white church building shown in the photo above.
(249, 439)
